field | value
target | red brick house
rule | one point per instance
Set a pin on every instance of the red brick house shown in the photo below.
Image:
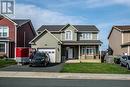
(14, 33)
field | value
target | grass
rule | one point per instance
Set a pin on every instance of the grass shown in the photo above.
(4, 63)
(95, 68)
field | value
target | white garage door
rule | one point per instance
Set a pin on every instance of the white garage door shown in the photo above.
(51, 53)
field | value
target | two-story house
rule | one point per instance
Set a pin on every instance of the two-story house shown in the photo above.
(68, 42)
(14, 33)
(119, 40)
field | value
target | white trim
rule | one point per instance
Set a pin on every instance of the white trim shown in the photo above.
(8, 19)
(7, 45)
(79, 52)
(88, 31)
(2, 27)
(122, 37)
(66, 25)
(86, 38)
(71, 36)
(61, 36)
(4, 40)
(128, 50)
(4, 47)
(43, 32)
(116, 28)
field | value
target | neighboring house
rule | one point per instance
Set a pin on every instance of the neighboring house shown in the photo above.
(119, 40)
(68, 42)
(14, 33)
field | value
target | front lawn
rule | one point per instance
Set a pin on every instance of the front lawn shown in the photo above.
(95, 68)
(4, 63)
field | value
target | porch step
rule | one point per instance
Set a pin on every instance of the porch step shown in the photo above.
(83, 61)
(72, 61)
(91, 60)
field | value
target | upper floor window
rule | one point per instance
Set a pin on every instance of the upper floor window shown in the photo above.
(68, 35)
(86, 36)
(4, 31)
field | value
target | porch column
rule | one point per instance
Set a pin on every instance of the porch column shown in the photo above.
(79, 52)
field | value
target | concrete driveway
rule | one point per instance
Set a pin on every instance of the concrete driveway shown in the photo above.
(26, 68)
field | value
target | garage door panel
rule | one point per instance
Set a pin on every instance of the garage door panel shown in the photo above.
(51, 53)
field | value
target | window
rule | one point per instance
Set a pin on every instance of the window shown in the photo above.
(4, 31)
(86, 36)
(2, 47)
(87, 50)
(68, 35)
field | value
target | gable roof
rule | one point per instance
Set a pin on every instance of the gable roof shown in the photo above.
(20, 22)
(4, 16)
(67, 25)
(57, 28)
(41, 34)
(123, 28)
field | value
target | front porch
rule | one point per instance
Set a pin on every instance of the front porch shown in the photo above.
(80, 53)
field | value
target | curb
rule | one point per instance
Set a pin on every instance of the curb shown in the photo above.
(65, 75)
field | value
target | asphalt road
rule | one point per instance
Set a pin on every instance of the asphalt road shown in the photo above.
(31, 82)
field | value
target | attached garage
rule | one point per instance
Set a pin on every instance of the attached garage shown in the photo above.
(46, 42)
(51, 52)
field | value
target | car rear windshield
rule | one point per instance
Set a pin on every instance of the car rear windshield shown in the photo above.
(39, 55)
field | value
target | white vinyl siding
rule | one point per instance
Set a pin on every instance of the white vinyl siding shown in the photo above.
(4, 31)
(86, 36)
(68, 35)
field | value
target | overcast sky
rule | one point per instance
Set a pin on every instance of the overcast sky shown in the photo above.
(102, 13)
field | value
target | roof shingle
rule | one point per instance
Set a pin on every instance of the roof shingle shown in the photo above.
(20, 22)
(78, 27)
(123, 28)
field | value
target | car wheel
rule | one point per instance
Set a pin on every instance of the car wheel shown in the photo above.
(128, 66)
(30, 65)
(121, 64)
(45, 64)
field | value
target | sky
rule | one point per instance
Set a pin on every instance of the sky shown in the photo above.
(102, 13)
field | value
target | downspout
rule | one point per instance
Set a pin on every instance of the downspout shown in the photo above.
(15, 41)
(24, 38)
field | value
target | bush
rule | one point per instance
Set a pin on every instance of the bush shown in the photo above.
(117, 60)
(6, 62)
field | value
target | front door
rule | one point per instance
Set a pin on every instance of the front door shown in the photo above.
(70, 53)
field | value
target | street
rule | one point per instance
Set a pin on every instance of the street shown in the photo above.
(42, 82)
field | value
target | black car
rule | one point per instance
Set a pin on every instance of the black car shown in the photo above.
(40, 59)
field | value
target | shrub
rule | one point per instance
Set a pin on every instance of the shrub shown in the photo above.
(117, 60)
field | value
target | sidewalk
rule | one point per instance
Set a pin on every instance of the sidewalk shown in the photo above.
(65, 75)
